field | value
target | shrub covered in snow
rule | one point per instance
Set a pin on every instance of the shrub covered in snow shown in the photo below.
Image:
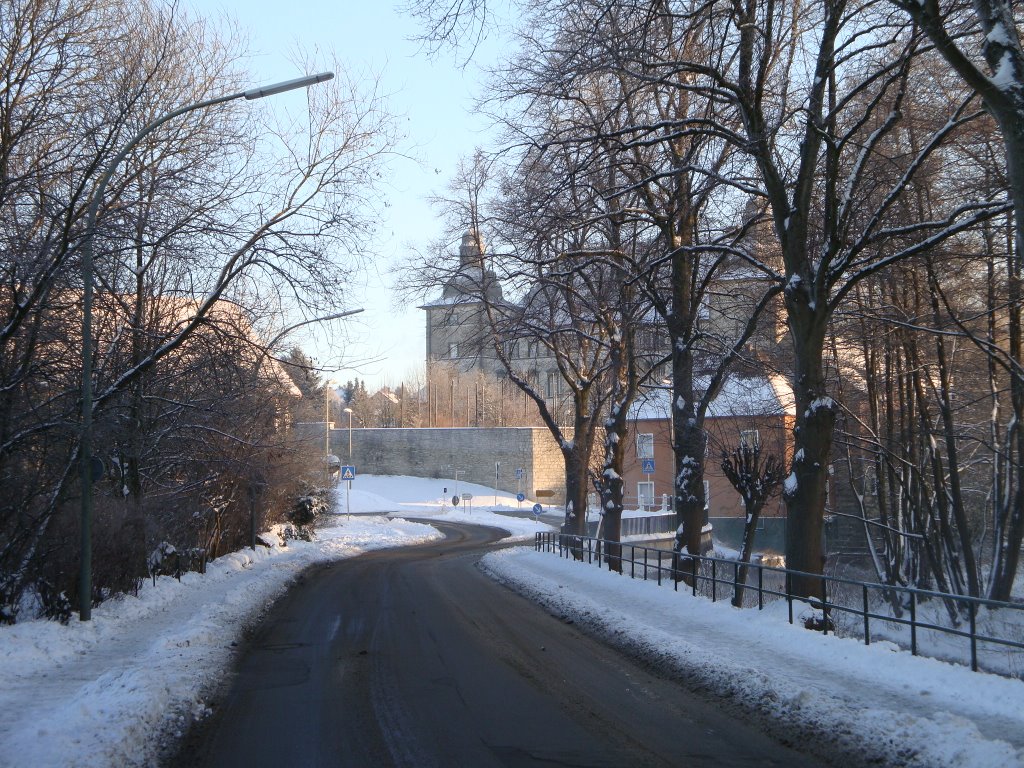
(306, 509)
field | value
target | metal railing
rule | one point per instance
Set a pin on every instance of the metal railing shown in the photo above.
(847, 607)
(649, 525)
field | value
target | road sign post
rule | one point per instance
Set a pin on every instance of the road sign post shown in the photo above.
(348, 472)
(647, 467)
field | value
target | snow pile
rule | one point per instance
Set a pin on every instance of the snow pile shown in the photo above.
(828, 694)
(104, 692)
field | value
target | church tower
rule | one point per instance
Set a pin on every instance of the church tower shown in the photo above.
(457, 329)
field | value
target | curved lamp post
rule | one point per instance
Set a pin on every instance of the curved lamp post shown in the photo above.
(85, 443)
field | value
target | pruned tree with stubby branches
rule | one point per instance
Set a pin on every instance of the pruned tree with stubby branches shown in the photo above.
(757, 477)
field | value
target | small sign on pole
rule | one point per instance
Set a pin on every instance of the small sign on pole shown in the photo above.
(647, 466)
(348, 472)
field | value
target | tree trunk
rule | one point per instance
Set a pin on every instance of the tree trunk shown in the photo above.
(689, 444)
(805, 488)
(746, 550)
(612, 485)
(576, 456)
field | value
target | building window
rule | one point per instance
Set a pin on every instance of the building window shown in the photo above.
(531, 349)
(453, 351)
(645, 495)
(553, 381)
(645, 445)
(750, 438)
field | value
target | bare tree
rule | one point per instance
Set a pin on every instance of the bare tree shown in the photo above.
(994, 27)
(196, 216)
(757, 478)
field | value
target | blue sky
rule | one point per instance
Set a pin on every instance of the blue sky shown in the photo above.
(434, 98)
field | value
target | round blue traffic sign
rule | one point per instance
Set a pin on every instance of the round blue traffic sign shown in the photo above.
(537, 509)
(520, 497)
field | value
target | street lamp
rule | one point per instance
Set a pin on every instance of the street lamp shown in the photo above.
(328, 456)
(349, 412)
(348, 486)
(85, 469)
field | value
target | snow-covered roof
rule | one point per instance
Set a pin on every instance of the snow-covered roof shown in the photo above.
(768, 395)
(449, 301)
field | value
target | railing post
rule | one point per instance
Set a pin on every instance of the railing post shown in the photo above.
(693, 571)
(760, 587)
(824, 604)
(974, 637)
(714, 581)
(659, 567)
(736, 583)
(645, 563)
(913, 623)
(789, 595)
(867, 627)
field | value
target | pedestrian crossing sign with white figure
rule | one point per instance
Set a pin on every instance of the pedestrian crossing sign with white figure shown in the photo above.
(348, 473)
(647, 466)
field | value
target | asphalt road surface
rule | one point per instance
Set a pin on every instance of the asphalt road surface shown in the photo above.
(413, 657)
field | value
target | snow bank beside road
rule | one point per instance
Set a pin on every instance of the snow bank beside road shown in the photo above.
(831, 694)
(103, 693)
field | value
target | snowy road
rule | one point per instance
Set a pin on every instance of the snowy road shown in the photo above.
(415, 658)
(121, 689)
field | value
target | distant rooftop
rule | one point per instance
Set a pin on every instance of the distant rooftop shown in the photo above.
(739, 396)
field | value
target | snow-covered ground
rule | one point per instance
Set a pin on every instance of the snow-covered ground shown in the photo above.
(430, 498)
(876, 701)
(108, 692)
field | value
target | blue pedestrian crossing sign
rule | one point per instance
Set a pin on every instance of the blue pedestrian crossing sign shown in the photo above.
(348, 473)
(647, 466)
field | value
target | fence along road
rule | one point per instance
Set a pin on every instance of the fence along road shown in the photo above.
(414, 658)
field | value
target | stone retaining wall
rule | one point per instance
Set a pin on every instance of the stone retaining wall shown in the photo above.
(472, 452)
